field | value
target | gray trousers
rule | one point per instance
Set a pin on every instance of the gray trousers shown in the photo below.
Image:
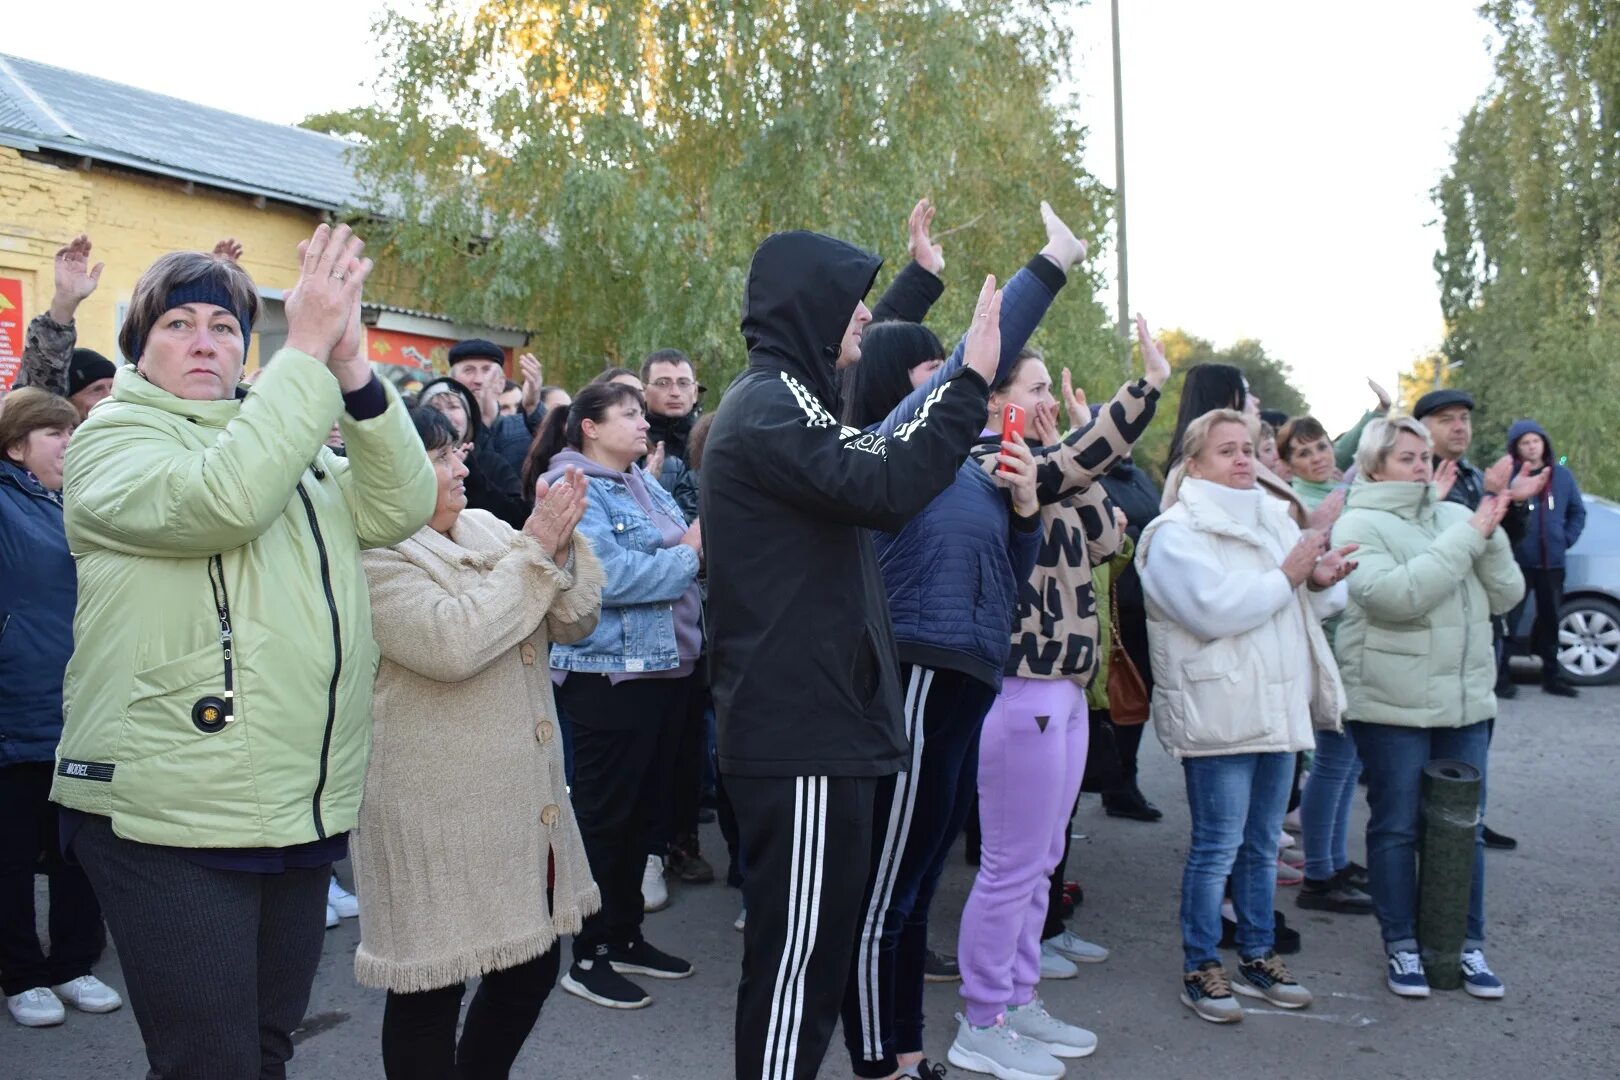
(219, 963)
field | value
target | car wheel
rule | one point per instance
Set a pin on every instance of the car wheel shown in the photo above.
(1589, 641)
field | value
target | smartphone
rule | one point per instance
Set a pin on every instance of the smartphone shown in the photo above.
(1012, 423)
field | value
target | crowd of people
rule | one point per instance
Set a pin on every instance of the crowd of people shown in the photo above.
(884, 593)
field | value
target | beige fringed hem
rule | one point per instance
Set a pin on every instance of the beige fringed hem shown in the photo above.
(379, 974)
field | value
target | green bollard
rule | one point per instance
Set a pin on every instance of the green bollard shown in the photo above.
(1446, 867)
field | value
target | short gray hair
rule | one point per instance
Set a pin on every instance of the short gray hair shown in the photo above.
(1197, 433)
(1378, 440)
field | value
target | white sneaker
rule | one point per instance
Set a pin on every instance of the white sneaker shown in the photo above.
(1054, 965)
(1001, 1052)
(742, 921)
(36, 1008)
(1077, 948)
(1287, 875)
(1291, 821)
(331, 916)
(341, 900)
(654, 892)
(89, 994)
(1060, 1039)
(1285, 839)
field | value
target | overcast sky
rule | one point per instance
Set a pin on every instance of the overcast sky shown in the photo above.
(1279, 155)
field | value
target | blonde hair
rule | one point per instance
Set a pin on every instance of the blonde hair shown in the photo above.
(1378, 440)
(1197, 433)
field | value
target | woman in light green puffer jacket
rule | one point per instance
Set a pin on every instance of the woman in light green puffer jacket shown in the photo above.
(218, 702)
(1415, 654)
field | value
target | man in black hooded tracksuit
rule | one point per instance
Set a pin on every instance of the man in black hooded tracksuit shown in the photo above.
(803, 663)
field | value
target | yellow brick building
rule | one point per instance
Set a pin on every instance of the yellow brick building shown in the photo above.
(143, 174)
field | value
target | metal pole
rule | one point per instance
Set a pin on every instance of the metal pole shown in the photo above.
(1119, 202)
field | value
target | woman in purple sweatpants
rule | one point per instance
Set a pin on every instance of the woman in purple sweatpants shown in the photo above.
(1032, 748)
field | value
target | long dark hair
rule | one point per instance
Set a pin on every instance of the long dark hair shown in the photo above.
(882, 379)
(1207, 387)
(565, 428)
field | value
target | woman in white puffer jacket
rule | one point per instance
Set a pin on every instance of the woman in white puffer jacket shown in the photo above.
(1241, 671)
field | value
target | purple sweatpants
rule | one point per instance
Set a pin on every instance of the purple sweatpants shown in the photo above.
(1032, 755)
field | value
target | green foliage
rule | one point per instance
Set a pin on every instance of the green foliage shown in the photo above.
(602, 172)
(359, 125)
(1532, 234)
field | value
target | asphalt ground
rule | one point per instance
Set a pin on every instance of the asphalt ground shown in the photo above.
(1552, 923)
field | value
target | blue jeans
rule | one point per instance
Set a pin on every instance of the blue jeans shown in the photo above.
(1237, 803)
(1394, 758)
(1324, 807)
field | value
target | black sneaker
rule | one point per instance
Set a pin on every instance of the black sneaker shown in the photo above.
(1131, 805)
(939, 968)
(1355, 874)
(1334, 894)
(597, 982)
(1285, 940)
(1506, 688)
(640, 958)
(926, 1070)
(1559, 688)
(1500, 842)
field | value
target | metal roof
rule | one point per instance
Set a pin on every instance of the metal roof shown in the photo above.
(50, 108)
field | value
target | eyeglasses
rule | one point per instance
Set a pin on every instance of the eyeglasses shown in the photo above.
(682, 385)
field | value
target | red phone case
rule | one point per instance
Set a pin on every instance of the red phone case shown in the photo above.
(1012, 423)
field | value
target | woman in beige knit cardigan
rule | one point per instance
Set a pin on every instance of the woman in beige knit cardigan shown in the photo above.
(464, 802)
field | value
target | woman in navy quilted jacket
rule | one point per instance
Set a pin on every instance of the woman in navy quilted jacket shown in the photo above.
(38, 590)
(1557, 518)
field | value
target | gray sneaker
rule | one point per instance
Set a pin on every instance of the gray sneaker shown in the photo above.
(1001, 1052)
(1076, 948)
(1268, 977)
(1062, 1040)
(1208, 992)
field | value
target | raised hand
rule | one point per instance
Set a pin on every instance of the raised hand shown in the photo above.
(323, 309)
(1524, 486)
(1499, 475)
(1384, 400)
(229, 249)
(76, 279)
(1334, 567)
(1016, 473)
(1327, 511)
(1155, 368)
(655, 460)
(1062, 246)
(557, 509)
(532, 381)
(927, 254)
(1301, 561)
(1074, 401)
(1445, 477)
(982, 350)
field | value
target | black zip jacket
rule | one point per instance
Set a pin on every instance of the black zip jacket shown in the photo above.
(803, 664)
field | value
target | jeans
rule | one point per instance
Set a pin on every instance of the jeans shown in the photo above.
(1324, 807)
(1394, 758)
(1237, 802)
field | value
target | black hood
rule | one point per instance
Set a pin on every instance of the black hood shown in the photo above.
(475, 415)
(802, 289)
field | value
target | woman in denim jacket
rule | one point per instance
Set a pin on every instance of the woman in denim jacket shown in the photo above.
(621, 685)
